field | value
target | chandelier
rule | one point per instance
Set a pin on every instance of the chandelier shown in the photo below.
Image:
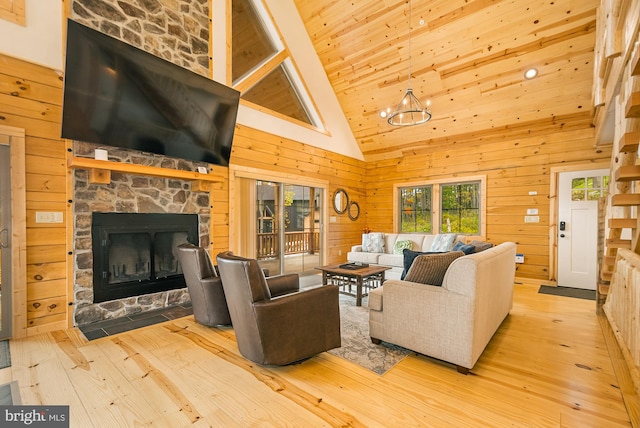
(409, 110)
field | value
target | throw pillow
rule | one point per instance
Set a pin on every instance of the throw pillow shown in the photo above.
(481, 245)
(408, 257)
(376, 242)
(430, 269)
(365, 242)
(402, 245)
(443, 242)
(467, 249)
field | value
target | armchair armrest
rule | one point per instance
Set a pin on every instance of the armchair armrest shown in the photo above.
(283, 284)
(356, 249)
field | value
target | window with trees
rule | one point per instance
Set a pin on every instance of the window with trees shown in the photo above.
(460, 208)
(442, 207)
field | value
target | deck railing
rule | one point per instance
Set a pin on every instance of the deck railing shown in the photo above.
(294, 243)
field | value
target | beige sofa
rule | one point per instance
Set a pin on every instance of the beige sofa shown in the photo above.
(453, 322)
(421, 242)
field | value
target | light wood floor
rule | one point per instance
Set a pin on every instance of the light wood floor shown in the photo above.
(547, 366)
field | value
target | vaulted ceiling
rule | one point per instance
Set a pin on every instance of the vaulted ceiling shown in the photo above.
(468, 57)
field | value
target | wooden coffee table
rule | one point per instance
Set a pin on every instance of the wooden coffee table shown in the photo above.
(362, 279)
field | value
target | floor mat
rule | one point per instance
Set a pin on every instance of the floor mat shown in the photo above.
(5, 355)
(578, 293)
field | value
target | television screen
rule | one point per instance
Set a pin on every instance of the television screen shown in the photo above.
(118, 95)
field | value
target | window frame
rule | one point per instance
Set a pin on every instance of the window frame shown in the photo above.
(436, 212)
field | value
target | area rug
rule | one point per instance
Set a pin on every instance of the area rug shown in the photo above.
(568, 292)
(5, 356)
(356, 343)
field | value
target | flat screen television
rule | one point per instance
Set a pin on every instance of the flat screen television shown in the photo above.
(118, 95)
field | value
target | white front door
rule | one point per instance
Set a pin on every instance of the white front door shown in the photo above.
(578, 194)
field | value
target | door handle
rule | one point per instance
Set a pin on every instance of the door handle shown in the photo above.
(4, 238)
(562, 235)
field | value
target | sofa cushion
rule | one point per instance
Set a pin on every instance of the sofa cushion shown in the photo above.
(430, 269)
(467, 249)
(391, 260)
(481, 245)
(443, 242)
(408, 257)
(389, 240)
(362, 257)
(400, 245)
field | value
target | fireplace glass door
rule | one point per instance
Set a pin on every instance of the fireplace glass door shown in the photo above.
(130, 257)
(136, 253)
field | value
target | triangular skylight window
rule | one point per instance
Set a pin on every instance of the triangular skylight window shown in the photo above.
(261, 68)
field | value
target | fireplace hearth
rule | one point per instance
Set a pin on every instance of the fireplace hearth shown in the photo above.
(135, 253)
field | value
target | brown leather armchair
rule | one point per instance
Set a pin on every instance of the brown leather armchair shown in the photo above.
(205, 288)
(274, 321)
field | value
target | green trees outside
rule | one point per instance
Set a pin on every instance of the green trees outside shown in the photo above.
(416, 209)
(459, 208)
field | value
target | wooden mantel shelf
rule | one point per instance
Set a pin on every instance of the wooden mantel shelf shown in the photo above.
(100, 172)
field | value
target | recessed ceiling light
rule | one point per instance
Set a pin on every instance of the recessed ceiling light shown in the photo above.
(530, 73)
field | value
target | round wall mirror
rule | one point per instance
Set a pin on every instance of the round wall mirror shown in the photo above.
(354, 210)
(340, 201)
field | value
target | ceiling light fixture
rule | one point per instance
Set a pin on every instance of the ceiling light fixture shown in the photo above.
(409, 110)
(530, 73)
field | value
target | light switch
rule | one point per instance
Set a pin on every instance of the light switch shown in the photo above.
(49, 217)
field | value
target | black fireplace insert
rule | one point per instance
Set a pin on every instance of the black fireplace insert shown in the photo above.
(136, 253)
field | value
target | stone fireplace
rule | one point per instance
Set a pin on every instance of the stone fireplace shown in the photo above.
(129, 195)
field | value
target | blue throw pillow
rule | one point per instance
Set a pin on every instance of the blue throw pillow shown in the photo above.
(467, 249)
(409, 256)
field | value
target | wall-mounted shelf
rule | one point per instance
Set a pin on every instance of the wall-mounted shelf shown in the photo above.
(100, 172)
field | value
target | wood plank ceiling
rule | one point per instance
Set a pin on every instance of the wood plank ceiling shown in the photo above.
(468, 58)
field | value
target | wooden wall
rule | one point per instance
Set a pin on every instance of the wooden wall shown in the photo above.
(31, 99)
(515, 162)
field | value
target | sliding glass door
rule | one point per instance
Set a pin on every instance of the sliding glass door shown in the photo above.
(288, 227)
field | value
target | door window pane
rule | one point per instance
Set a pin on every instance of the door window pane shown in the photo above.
(578, 189)
(589, 188)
